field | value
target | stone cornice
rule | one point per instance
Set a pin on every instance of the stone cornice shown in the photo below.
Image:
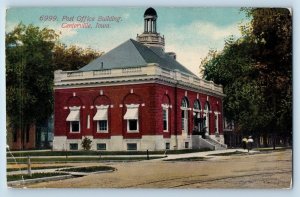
(151, 73)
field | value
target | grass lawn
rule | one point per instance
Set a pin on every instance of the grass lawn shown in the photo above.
(79, 159)
(20, 177)
(89, 169)
(36, 168)
(64, 153)
(230, 153)
(187, 159)
(271, 149)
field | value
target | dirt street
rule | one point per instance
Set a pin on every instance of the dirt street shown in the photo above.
(263, 170)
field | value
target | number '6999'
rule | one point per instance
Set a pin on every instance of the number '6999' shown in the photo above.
(48, 18)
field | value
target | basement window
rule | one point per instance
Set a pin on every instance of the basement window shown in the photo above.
(131, 146)
(101, 146)
(167, 146)
(73, 146)
(186, 145)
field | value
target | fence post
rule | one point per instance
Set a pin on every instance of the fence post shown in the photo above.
(29, 166)
(147, 154)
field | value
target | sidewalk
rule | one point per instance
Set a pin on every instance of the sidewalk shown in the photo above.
(202, 154)
(168, 157)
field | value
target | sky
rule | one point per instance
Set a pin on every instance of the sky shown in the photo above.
(190, 32)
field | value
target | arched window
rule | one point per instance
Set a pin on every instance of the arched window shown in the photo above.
(196, 116)
(132, 114)
(165, 112)
(101, 117)
(217, 112)
(206, 116)
(184, 115)
(74, 118)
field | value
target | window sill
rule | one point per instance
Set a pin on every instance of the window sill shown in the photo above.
(132, 131)
(102, 131)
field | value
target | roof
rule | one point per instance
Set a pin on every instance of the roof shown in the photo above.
(134, 54)
(150, 12)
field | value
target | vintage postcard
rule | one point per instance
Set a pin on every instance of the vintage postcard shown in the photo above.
(149, 97)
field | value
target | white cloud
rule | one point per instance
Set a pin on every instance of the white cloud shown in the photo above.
(192, 42)
(190, 57)
(114, 37)
(211, 31)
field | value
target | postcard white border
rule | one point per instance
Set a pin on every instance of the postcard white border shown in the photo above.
(295, 4)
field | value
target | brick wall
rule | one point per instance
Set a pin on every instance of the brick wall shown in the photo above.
(149, 96)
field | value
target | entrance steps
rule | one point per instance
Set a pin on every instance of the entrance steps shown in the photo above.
(207, 142)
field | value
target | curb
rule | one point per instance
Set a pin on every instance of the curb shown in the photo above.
(38, 180)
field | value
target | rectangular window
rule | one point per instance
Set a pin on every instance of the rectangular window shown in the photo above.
(186, 145)
(132, 125)
(101, 146)
(102, 125)
(182, 119)
(216, 124)
(167, 146)
(102, 118)
(131, 146)
(73, 146)
(74, 126)
(165, 119)
(132, 117)
(74, 119)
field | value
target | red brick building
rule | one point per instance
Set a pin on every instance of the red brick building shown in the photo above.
(137, 97)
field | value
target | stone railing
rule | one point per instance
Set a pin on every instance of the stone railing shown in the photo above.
(153, 69)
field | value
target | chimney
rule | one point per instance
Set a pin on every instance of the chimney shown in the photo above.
(172, 55)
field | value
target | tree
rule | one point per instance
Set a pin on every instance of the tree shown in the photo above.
(255, 71)
(72, 57)
(272, 30)
(32, 55)
(29, 75)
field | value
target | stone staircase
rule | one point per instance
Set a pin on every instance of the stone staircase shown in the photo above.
(216, 144)
(207, 142)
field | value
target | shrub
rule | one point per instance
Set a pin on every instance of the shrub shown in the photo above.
(86, 143)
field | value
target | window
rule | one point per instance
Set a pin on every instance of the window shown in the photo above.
(167, 146)
(186, 145)
(74, 126)
(73, 146)
(132, 125)
(101, 118)
(131, 146)
(206, 116)
(165, 117)
(102, 125)
(74, 119)
(216, 123)
(196, 115)
(101, 146)
(184, 115)
(132, 117)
